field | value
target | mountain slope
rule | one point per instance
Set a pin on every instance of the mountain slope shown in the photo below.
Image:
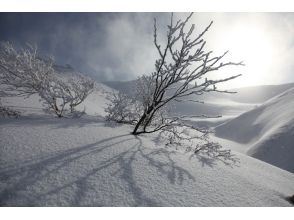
(267, 131)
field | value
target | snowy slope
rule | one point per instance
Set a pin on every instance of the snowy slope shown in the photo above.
(85, 162)
(93, 105)
(258, 94)
(46, 161)
(267, 131)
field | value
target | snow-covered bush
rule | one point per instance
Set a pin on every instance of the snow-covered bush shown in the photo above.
(6, 112)
(79, 87)
(62, 95)
(55, 96)
(121, 108)
(24, 72)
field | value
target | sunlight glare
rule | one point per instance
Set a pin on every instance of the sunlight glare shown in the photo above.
(252, 45)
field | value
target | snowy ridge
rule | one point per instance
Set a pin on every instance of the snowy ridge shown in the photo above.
(266, 131)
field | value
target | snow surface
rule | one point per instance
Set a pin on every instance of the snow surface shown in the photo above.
(46, 161)
(87, 162)
(267, 132)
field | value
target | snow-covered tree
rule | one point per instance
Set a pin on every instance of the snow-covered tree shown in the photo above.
(180, 72)
(122, 108)
(55, 96)
(62, 94)
(23, 71)
(79, 87)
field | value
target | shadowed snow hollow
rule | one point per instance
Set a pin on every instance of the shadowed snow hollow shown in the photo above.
(267, 131)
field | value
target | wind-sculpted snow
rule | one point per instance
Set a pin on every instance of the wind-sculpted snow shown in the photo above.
(87, 162)
(267, 131)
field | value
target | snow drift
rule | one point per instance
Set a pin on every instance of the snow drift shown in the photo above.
(267, 131)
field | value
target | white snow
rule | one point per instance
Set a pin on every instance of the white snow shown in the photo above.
(46, 161)
(85, 162)
(266, 132)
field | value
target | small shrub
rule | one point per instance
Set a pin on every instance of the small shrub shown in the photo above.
(6, 112)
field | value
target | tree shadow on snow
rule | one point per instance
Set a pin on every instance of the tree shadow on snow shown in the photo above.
(202, 158)
(24, 181)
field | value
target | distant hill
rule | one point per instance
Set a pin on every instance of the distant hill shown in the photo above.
(259, 94)
(252, 94)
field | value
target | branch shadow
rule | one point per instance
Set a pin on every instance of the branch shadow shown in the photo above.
(166, 165)
(203, 158)
(31, 171)
(23, 175)
(205, 161)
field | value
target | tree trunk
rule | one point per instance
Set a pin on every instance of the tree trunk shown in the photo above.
(135, 131)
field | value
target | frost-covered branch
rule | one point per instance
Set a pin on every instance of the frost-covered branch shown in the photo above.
(180, 75)
(63, 94)
(179, 72)
(79, 87)
(121, 108)
(23, 71)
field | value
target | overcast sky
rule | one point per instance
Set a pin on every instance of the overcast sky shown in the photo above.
(119, 46)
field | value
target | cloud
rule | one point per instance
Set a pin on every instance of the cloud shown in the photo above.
(119, 46)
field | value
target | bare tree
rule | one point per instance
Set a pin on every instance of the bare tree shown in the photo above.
(180, 72)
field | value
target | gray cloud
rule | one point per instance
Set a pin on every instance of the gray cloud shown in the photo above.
(119, 46)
